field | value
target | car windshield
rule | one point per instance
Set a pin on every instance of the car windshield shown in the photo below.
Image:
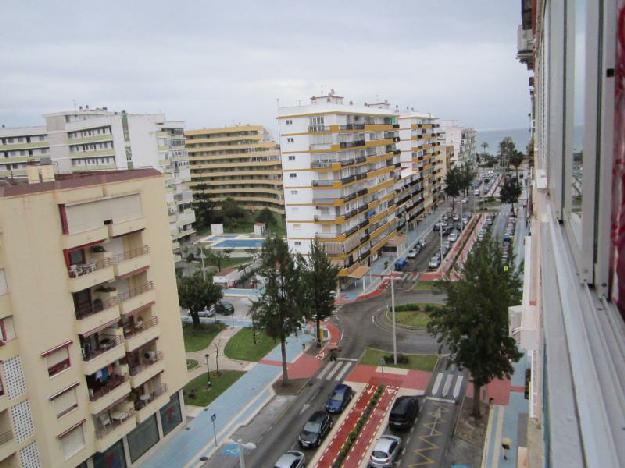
(379, 454)
(337, 397)
(312, 426)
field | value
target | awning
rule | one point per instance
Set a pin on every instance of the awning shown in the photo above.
(359, 272)
(396, 241)
(65, 344)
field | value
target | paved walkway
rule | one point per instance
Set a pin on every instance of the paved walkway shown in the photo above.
(403, 378)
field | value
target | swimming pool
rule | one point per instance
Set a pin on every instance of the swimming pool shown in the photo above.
(239, 244)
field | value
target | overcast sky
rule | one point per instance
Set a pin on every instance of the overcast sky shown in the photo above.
(216, 63)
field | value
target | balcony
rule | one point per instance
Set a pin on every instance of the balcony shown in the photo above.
(138, 297)
(148, 403)
(131, 260)
(110, 426)
(86, 275)
(351, 144)
(71, 241)
(116, 388)
(151, 364)
(5, 306)
(124, 227)
(103, 309)
(8, 444)
(318, 128)
(323, 183)
(141, 333)
(108, 349)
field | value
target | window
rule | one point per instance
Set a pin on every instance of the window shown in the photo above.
(171, 415)
(297, 226)
(65, 401)
(293, 192)
(290, 140)
(144, 436)
(58, 360)
(112, 457)
(292, 175)
(73, 441)
(291, 158)
(298, 243)
(289, 122)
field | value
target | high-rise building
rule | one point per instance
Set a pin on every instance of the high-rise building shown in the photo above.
(571, 323)
(420, 154)
(98, 139)
(461, 138)
(89, 377)
(240, 162)
(341, 164)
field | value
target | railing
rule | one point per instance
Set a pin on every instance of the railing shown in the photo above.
(352, 127)
(109, 420)
(352, 144)
(156, 356)
(148, 398)
(58, 367)
(140, 327)
(323, 183)
(81, 269)
(98, 305)
(318, 128)
(348, 179)
(6, 436)
(105, 344)
(130, 254)
(133, 292)
(113, 382)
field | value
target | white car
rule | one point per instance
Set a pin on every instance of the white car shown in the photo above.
(385, 451)
(291, 459)
(453, 237)
(476, 192)
(434, 263)
(463, 201)
(412, 253)
(207, 312)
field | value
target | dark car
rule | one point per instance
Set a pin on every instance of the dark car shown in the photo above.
(223, 308)
(404, 412)
(315, 429)
(340, 398)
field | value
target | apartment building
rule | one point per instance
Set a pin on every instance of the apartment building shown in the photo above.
(420, 154)
(240, 162)
(91, 354)
(341, 164)
(98, 139)
(462, 139)
(571, 321)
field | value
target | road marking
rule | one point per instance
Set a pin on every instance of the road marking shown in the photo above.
(448, 379)
(304, 408)
(373, 319)
(325, 370)
(437, 383)
(343, 372)
(457, 387)
(336, 370)
(347, 359)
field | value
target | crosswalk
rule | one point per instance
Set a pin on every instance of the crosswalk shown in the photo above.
(448, 385)
(410, 276)
(335, 370)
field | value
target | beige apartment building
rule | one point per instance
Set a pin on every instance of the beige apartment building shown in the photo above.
(240, 162)
(91, 352)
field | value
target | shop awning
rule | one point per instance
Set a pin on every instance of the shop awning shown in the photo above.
(359, 272)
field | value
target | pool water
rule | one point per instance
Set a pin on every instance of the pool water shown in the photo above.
(239, 244)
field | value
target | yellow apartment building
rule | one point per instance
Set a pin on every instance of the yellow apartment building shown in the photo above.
(91, 352)
(240, 162)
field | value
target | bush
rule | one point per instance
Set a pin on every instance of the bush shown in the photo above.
(430, 308)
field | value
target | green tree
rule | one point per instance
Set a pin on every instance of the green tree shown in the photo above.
(214, 257)
(265, 216)
(319, 280)
(506, 149)
(205, 209)
(467, 174)
(453, 184)
(474, 322)
(195, 293)
(510, 191)
(279, 309)
(232, 212)
(516, 159)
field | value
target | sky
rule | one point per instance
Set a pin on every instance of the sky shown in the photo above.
(214, 64)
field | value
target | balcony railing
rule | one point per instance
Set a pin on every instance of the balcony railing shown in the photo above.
(81, 269)
(6, 436)
(318, 128)
(133, 292)
(130, 254)
(140, 326)
(352, 144)
(322, 183)
(147, 398)
(85, 310)
(106, 343)
(111, 384)
(109, 420)
(154, 357)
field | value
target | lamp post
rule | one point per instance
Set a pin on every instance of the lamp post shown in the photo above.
(208, 371)
(242, 445)
(203, 268)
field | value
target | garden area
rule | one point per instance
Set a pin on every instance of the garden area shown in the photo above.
(424, 362)
(415, 316)
(196, 339)
(242, 347)
(198, 393)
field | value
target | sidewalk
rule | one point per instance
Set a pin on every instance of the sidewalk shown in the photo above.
(377, 268)
(232, 408)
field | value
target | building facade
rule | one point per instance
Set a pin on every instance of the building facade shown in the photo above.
(571, 322)
(239, 162)
(462, 139)
(341, 164)
(98, 139)
(89, 377)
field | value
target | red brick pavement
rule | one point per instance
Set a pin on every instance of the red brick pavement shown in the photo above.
(414, 379)
(498, 390)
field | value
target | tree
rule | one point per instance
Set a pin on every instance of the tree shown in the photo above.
(194, 293)
(279, 309)
(484, 147)
(214, 257)
(266, 217)
(516, 159)
(453, 184)
(506, 149)
(205, 209)
(467, 174)
(510, 191)
(232, 212)
(319, 280)
(474, 322)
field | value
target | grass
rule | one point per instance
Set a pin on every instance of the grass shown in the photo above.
(196, 340)
(412, 318)
(427, 285)
(204, 395)
(232, 261)
(192, 364)
(241, 346)
(424, 362)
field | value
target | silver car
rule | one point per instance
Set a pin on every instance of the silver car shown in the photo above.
(292, 459)
(385, 451)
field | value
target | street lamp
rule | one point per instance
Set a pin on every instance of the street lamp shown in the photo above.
(203, 268)
(243, 445)
(208, 371)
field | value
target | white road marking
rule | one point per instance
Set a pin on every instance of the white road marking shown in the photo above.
(343, 372)
(336, 370)
(437, 383)
(304, 408)
(457, 387)
(325, 370)
(448, 379)
(347, 359)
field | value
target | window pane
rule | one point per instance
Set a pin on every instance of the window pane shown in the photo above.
(577, 165)
(144, 436)
(171, 415)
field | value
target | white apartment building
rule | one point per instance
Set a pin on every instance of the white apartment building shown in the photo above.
(99, 139)
(340, 167)
(461, 138)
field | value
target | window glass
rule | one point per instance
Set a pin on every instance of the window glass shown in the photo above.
(171, 415)
(579, 86)
(144, 436)
(113, 457)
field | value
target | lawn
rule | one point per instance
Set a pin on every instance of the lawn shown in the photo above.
(241, 346)
(204, 395)
(434, 286)
(412, 318)
(196, 340)
(192, 364)
(232, 261)
(424, 362)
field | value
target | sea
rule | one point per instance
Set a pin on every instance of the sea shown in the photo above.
(520, 136)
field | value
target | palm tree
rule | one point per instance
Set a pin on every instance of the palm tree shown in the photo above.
(484, 147)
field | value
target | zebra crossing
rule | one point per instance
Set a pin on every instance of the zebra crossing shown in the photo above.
(410, 276)
(335, 370)
(448, 385)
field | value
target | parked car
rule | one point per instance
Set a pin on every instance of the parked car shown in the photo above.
(404, 412)
(340, 398)
(453, 237)
(463, 201)
(315, 429)
(489, 220)
(400, 263)
(435, 262)
(476, 192)
(437, 227)
(222, 308)
(290, 459)
(456, 217)
(385, 451)
(412, 253)
(207, 312)
(421, 244)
